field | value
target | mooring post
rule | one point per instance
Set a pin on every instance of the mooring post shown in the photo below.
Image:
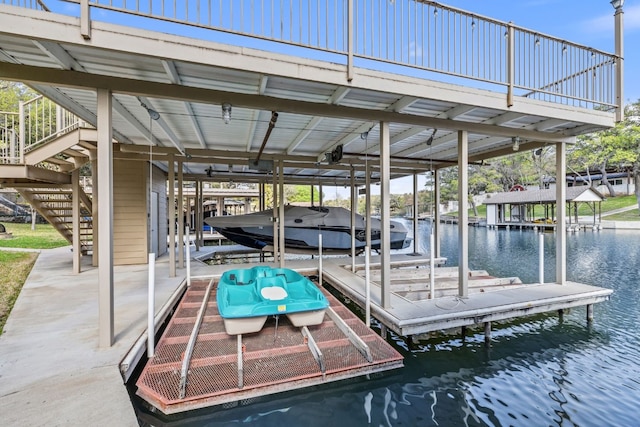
(487, 333)
(151, 329)
(383, 331)
(589, 313)
(561, 315)
(463, 332)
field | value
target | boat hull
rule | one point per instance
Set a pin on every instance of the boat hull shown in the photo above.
(302, 231)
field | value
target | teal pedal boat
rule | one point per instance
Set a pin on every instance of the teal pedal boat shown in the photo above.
(246, 297)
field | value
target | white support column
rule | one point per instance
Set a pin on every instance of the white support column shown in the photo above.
(385, 224)
(367, 204)
(95, 215)
(105, 225)
(75, 216)
(416, 234)
(276, 220)
(172, 216)
(281, 211)
(180, 216)
(436, 210)
(619, 30)
(561, 202)
(463, 214)
(220, 206)
(354, 207)
(201, 214)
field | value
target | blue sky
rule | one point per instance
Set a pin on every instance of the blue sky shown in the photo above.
(587, 22)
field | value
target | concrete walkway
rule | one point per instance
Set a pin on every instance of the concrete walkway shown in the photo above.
(52, 371)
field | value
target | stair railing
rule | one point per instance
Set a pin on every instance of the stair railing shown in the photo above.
(37, 122)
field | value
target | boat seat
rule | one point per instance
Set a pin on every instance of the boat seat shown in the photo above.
(272, 288)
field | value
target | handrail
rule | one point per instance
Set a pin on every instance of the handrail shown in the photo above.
(420, 34)
(38, 121)
(186, 361)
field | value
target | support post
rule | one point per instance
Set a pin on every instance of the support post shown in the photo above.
(367, 205)
(541, 256)
(172, 217)
(188, 256)
(367, 287)
(353, 218)
(350, 32)
(385, 207)
(589, 313)
(619, 30)
(85, 19)
(95, 213)
(75, 216)
(197, 206)
(511, 67)
(105, 225)
(463, 214)
(320, 278)
(281, 211)
(151, 327)
(416, 234)
(561, 202)
(436, 211)
(487, 333)
(180, 216)
(276, 220)
(432, 267)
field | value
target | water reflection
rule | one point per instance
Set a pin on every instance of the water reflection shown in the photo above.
(538, 371)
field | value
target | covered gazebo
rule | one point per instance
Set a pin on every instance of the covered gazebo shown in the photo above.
(518, 207)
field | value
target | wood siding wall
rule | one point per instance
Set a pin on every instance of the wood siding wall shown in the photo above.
(130, 243)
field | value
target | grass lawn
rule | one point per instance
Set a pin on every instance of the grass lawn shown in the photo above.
(43, 237)
(632, 215)
(14, 269)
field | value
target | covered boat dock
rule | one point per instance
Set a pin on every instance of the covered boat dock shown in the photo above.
(234, 105)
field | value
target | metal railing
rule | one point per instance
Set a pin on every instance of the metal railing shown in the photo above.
(415, 33)
(30, 4)
(37, 122)
(9, 140)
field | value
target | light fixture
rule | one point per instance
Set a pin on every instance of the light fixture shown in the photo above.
(617, 4)
(226, 113)
(516, 143)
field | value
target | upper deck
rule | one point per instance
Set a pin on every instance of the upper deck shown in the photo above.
(331, 70)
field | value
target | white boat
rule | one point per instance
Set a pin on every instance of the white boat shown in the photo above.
(303, 225)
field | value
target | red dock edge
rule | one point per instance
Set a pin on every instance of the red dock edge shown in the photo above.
(272, 363)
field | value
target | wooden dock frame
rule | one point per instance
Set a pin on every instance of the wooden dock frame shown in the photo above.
(408, 318)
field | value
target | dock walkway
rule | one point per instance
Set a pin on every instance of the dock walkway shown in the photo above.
(408, 316)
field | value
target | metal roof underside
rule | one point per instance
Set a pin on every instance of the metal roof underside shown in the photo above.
(187, 81)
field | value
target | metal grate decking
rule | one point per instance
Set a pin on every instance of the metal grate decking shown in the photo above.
(271, 362)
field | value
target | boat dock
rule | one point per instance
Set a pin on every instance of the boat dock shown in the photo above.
(490, 299)
(228, 368)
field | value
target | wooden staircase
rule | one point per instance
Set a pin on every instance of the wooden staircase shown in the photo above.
(55, 204)
(44, 181)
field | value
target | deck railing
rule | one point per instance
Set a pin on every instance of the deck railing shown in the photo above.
(412, 33)
(38, 121)
(419, 34)
(30, 4)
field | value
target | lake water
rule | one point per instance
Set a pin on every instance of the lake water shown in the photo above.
(538, 371)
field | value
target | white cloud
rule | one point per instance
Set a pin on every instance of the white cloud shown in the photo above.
(605, 22)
